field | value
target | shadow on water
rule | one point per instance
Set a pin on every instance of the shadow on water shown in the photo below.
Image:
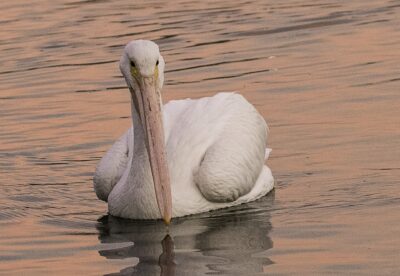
(225, 242)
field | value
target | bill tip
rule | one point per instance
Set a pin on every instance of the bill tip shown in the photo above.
(167, 220)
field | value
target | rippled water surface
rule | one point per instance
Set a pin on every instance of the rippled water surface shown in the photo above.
(324, 74)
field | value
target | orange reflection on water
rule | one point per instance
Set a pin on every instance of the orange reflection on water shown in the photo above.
(324, 75)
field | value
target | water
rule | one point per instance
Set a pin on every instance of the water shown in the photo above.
(325, 75)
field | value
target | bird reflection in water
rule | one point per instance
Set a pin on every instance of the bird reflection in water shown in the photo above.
(231, 241)
(167, 258)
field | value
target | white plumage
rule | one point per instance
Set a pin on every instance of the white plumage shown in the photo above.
(215, 148)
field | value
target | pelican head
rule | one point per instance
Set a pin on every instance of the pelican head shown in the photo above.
(143, 69)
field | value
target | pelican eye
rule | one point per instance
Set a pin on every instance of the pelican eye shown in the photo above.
(157, 62)
(132, 64)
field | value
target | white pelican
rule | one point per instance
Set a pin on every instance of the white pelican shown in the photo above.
(186, 157)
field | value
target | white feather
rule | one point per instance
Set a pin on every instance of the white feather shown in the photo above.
(216, 151)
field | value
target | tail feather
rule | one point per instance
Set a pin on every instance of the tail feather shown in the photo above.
(267, 153)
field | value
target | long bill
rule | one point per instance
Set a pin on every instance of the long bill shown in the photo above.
(151, 116)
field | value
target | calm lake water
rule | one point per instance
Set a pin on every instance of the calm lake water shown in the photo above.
(324, 74)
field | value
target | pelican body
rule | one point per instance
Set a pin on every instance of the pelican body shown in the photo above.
(184, 157)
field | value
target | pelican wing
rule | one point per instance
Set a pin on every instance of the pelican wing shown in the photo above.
(232, 164)
(112, 166)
